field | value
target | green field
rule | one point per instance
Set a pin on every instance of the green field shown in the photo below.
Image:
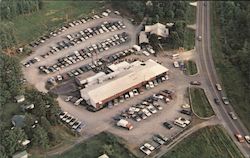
(98, 145)
(209, 142)
(230, 75)
(200, 103)
(191, 68)
(54, 14)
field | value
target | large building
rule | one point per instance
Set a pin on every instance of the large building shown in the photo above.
(158, 29)
(124, 78)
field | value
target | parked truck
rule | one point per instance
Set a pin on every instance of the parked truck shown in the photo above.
(125, 124)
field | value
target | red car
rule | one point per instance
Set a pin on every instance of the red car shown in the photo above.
(240, 138)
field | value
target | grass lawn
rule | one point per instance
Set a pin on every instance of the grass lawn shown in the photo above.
(98, 145)
(229, 74)
(191, 68)
(208, 142)
(200, 103)
(54, 14)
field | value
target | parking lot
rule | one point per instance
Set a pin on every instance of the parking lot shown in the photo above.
(96, 122)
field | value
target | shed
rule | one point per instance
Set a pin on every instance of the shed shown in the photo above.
(18, 120)
(20, 98)
(22, 154)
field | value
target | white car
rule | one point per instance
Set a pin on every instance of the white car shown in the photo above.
(68, 98)
(145, 150)
(76, 124)
(151, 84)
(152, 109)
(78, 101)
(61, 115)
(149, 146)
(69, 119)
(146, 112)
(72, 121)
(247, 139)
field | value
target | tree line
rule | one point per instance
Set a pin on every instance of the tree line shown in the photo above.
(39, 122)
(235, 39)
(12, 8)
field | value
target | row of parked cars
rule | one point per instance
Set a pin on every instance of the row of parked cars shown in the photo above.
(147, 148)
(31, 61)
(71, 122)
(86, 53)
(77, 38)
(96, 66)
(66, 27)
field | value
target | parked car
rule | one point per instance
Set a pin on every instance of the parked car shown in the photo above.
(158, 140)
(149, 146)
(68, 98)
(195, 83)
(168, 125)
(145, 150)
(187, 112)
(164, 138)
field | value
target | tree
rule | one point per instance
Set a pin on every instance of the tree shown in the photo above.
(11, 140)
(40, 137)
(10, 78)
(108, 149)
(45, 123)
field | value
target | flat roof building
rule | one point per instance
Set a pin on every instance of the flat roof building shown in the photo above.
(124, 79)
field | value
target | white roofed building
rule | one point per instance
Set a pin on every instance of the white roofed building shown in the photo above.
(157, 29)
(125, 78)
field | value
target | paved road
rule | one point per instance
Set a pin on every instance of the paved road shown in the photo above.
(208, 70)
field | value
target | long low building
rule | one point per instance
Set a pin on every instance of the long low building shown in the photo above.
(125, 78)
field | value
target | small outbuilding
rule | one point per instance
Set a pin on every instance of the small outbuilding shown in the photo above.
(18, 120)
(20, 98)
(22, 154)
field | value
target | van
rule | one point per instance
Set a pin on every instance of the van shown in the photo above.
(180, 123)
(131, 94)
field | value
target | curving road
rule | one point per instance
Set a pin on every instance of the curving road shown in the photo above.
(204, 52)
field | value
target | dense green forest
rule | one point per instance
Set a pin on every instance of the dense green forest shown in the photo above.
(231, 47)
(45, 111)
(235, 39)
(12, 8)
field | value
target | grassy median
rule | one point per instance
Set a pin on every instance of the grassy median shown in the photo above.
(98, 145)
(191, 67)
(208, 142)
(200, 103)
